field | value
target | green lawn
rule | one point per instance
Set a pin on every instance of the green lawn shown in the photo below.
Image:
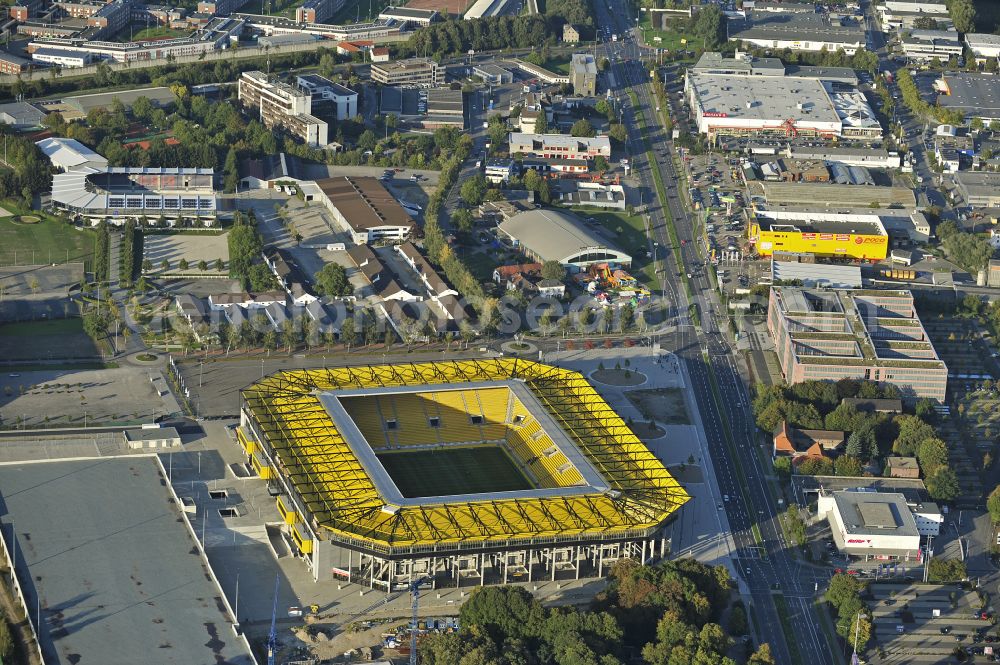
(157, 32)
(629, 230)
(350, 11)
(630, 234)
(49, 241)
(42, 328)
(449, 471)
(669, 39)
(559, 65)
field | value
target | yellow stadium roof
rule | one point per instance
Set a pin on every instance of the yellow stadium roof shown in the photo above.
(319, 463)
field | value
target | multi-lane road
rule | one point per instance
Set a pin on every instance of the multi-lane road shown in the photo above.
(760, 555)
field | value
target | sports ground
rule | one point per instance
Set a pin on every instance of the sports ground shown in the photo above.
(450, 471)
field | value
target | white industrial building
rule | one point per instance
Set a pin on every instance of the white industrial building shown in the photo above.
(926, 45)
(902, 14)
(798, 31)
(983, 46)
(766, 102)
(870, 525)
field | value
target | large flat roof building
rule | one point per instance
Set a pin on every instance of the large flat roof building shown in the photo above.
(903, 14)
(975, 95)
(727, 99)
(106, 559)
(859, 334)
(927, 45)
(871, 524)
(365, 208)
(421, 72)
(979, 189)
(983, 46)
(554, 235)
(799, 31)
(826, 234)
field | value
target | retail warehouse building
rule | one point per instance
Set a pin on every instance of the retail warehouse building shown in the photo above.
(824, 234)
(743, 96)
(858, 334)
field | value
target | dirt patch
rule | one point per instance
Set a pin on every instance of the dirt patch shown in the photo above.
(619, 377)
(456, 7)
(647, 431)
(665, 405)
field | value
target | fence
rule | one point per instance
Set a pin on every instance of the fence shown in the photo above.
(16, 585)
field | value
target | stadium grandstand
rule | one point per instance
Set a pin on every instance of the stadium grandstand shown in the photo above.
(454, 473)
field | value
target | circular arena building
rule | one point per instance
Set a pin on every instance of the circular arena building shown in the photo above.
(454, 473)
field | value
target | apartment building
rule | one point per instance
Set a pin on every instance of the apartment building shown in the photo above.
(22, 10)
(826, 335)
(220, 7)
(12, 64)
(583, 74)
(324, 91)
(317, 11)
(413, 71)
(278, 104)
(559, 146)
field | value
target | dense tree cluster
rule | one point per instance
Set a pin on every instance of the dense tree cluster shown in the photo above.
(946, 570)
(963, 14)
(457, 146)
(456, 36)
(331, 280)
(853, 617)
(818, 405)
(971, 251)
(127, 259)
(30, 171)
(668, 613)
(102, 253)
(245, 245)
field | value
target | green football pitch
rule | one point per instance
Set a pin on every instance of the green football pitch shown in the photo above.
(450, 471)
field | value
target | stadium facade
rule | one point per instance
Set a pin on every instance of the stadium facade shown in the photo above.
(455, 473)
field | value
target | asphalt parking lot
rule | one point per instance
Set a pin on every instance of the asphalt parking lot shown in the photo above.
(927, 623)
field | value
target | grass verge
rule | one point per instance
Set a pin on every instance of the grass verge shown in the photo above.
(828, 632)
(51, 240)
(731, 446)
(787, 628)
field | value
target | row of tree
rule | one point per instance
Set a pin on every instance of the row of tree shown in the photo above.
(920, 108)
(102, 253)
(128, 260)
(668, 613)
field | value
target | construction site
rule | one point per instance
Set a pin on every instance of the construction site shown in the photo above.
(454, 474)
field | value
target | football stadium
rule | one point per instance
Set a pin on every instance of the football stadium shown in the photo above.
(454, 473)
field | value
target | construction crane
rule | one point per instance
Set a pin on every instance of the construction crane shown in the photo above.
(415, 606)
(272, 637)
